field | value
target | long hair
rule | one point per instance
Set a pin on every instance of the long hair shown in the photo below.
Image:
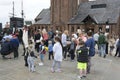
(59, 40)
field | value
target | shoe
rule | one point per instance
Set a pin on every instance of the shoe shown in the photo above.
(65, 59)
(26, 65)
(15, 58)
(41, 64)
(23, 55)
(72, 60)
(6, 57)
(104, 56)
(52, 70)
(88, 72)
(58, 70)
(118, 56)
(32, 70)
(9, 58)
(84, 76)
(79, 77)
(99, 55)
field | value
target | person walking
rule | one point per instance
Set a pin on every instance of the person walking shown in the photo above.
(64, 43)
(57, 49)
(102, 45)
(25, 39)
(90, 44)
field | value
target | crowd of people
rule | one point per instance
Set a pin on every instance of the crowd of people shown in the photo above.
(80, 46)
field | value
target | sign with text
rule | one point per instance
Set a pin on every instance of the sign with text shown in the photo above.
(16, 22)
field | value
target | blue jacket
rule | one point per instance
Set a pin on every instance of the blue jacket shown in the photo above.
(50, 47)
(15, 43)
(91, 44)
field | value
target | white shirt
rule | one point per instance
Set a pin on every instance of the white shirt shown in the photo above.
(116, 42)
(96, 36)
(64, 39)
(25, 38)
(57, 49)
(75, 36)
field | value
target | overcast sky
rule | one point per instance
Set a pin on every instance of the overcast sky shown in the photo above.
(31, 8)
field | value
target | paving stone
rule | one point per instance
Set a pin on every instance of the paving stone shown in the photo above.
(102, 69)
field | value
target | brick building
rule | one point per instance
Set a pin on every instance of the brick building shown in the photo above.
(81, 14)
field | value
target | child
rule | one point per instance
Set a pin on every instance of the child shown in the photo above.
(72, 49)
(57, 49)
(42, 52)
(82, 59)
(27, 52)
(30, 58)
(50, 49)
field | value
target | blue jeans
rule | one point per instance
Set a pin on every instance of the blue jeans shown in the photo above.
(102, 48)
(31, 65)
(42, 57)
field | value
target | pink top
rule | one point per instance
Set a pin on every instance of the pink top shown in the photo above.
(83, 38)
(45, 36)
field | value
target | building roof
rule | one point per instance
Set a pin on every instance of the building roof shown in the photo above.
(43, 17)
(109, 12)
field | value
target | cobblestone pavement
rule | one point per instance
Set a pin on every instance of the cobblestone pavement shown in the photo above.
(102, 69)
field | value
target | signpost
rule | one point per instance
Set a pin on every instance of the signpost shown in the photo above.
(16, 22)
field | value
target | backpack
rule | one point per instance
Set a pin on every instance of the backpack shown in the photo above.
(82, 54)
(40, 48)
(102, 39)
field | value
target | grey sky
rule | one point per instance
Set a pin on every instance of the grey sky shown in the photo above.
(31, 8)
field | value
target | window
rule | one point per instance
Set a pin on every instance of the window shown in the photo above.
(78, 27)
(92, 0)
(100, 28)
(107, 28)
(98, 6)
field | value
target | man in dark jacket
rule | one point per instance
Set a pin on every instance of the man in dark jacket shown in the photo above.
(15, 44)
